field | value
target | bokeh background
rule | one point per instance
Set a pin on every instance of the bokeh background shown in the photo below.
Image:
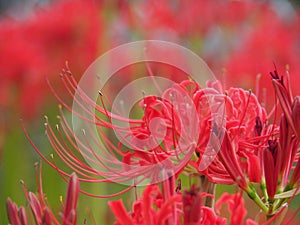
(238, 39)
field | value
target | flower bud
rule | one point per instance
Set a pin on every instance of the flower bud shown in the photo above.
(12, 212)
(71, 201)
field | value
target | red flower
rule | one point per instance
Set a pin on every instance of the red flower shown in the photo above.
(41, 212)
(191, 206)
(242, 120)
(270, 169)
(166, 207)
(246, 149)
(35, 47)
(236, 208)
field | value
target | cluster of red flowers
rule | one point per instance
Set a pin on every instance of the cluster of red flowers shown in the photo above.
(244, 37)
(42, 213)
(156, 207)
(245, 147)
(252, 150)
(33, 48)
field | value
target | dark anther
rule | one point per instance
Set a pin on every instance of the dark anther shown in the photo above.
(258, 126)
(178, 187)
(276, 76)
(273, 145)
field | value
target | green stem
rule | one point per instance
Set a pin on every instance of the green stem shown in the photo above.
(256, 198)
(263, 187)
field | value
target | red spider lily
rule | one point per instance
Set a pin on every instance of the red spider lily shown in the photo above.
(177, 141)
(243, 127)
(281, 156)
(242, 113)
(276, 38)
(236, 208)
(172, 112)
(289, 106)
(223, 37)
(41, 212)
(249, 151)
(197, 17)
(166, 207)
(35, 46)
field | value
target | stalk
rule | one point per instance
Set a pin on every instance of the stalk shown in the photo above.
(256, 198)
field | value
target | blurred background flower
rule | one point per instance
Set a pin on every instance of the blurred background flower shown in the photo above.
(238, 40)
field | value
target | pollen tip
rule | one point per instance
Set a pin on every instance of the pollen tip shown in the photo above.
(60, 198)
(58, 117)
(46, 117)
(287, 67)
(226, 92)
(57, 127)
(100, 93)
(59, 106)
(83, 131)
(36, 164)
(51, 156)
(45, 124)
(22, 182)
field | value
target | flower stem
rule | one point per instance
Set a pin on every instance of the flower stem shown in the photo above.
(263, 187)
(256, 198)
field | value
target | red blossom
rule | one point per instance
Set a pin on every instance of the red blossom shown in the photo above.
(41, 212)
(191, 206)
(243, 112)
(34, 47)
(247, 149)
(153, 209)
(271, 173)
(16, 216)
(236, 208)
